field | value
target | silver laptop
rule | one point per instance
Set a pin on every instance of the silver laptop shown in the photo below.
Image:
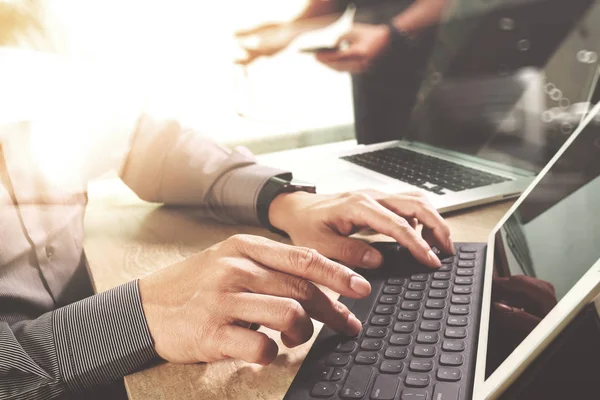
(485, 129)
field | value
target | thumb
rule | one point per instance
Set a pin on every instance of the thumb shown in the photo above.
(351, 252)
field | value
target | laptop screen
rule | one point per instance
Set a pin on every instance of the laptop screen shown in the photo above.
(508, 82)
(547, 244)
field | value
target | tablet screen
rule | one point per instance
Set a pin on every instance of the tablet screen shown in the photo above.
(547, 244)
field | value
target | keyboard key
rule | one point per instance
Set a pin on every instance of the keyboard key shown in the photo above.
(440, 284)
(324, 373)
(438, 294)
(338, 360)
(400, 340)
(356, 384)
(427, 338)
(451, 359)
(413, 295)
(323, 390)
(453, 345)
(468, 249)
(414, 394)
(388, 299)
(445, 268)
(385, 387)
(366, 358)
(419, 278)
(424, 351)
(430, 326)
(463, 280)
(467, 256)
(442, 275)
(393, 289)
(417, 380)
(375, 332)
(459, 310)
(461, 299)
(396, 353)
(433, 314)
(404, 327)
(449, 374)
(385, 310)
(410, 305)
(455, 333)
(457, 321)
(372, 344)
(448, 260)
(346, 347)
(465, 272)
(417, 286)
(391, 367)
(466, 264)
(446, 391)
(337, 375)
(381, 320)
(436, 303)
(396, 281)
(407, 316)
(462, 290)
(421, 365)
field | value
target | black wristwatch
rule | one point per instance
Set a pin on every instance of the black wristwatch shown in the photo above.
(273, 188)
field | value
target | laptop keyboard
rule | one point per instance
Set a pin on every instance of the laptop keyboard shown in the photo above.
(420, 327)
(426, 172)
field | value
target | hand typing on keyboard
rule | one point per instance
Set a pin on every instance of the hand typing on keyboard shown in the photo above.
(200, 309)
(323, 222)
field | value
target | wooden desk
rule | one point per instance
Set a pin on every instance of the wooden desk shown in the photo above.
(126, 239)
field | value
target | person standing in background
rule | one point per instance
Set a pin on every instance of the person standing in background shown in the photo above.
(386, 52)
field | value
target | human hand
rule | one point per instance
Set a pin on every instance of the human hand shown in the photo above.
(357, 49)
(323, 222)
(198, 310)
(264, 41)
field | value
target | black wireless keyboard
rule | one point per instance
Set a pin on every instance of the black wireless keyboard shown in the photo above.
(419, 336)
(430, 173)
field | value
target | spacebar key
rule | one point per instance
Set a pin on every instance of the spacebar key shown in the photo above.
(357, 382)
(362, 307)
(446, 391)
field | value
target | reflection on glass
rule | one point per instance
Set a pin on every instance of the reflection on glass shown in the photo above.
(546, 245)
(506, 83)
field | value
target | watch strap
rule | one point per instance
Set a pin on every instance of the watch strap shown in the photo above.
(271, 189)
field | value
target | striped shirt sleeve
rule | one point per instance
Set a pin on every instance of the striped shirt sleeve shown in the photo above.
(82, 346)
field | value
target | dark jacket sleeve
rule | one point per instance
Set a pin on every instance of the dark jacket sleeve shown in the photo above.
(84, 345)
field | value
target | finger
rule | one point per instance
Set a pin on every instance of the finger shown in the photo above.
(414, 223)
(354, 67)
(281, 314)
(304, 263)
(417, 206)
(316, 303)
(368, 212)
(243, 344)
(255, 30)
(351, 252)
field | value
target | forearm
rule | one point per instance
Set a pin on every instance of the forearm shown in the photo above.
(420, 15)
(79, 347)
(173, 165)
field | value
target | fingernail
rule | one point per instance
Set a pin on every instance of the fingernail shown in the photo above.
(354, 325)
(372, 259)
(434, 259)
(360, 286)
